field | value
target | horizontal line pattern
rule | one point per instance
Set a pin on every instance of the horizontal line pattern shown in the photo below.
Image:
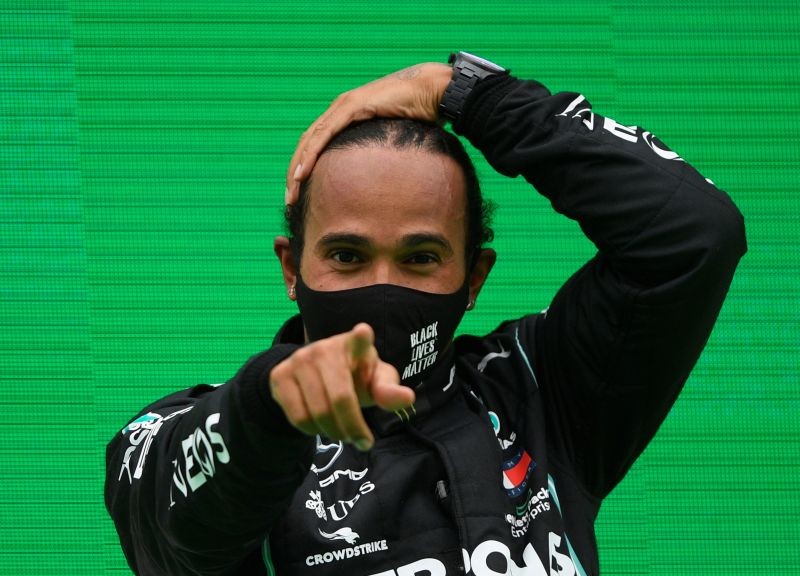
(50, 477)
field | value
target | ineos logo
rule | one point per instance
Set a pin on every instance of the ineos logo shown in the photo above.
(202, 449)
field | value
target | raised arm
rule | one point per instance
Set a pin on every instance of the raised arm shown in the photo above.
(622, 334)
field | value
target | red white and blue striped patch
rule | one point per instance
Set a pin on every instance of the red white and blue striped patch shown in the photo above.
(516, 472)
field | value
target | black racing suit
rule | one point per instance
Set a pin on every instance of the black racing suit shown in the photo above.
(520, 434)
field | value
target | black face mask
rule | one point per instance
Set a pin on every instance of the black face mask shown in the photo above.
(412, 327)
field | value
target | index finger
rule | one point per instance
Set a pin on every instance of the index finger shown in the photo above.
(362, 337)
(363, 355)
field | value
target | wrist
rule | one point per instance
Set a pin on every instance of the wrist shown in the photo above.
(467, 73)
(436, 77)
(441, 75)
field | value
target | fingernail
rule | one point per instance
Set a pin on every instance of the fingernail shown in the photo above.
(298, 171)
(363, 444)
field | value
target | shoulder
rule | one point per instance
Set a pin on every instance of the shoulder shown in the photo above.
(503, 360)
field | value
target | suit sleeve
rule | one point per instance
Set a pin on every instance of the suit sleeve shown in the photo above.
(195, 482)
(622, 335)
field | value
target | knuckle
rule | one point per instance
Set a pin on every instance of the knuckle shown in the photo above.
(320, 127)
(329, 349)
(370, 110)
(278, 374)
(318, 411)
(303, 355)
(341, 398)
(344, 97)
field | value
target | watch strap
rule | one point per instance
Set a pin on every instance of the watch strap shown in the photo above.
(468, 70)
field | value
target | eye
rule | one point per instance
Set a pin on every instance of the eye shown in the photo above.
(345, 257)
(422, 258)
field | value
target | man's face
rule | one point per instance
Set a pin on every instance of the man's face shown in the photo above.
(384, 216)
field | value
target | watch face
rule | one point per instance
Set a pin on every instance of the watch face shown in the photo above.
(482, 62)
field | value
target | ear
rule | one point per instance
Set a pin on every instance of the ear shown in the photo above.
(283, 251)
(480, 272)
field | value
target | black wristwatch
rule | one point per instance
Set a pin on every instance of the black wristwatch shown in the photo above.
(468, 70)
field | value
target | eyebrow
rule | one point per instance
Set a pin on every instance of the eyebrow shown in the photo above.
(412, 240)
(407, 241)
(342, 238)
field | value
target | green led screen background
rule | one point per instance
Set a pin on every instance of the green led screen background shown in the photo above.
(142, 152)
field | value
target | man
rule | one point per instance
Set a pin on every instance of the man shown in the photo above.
(366, 441)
